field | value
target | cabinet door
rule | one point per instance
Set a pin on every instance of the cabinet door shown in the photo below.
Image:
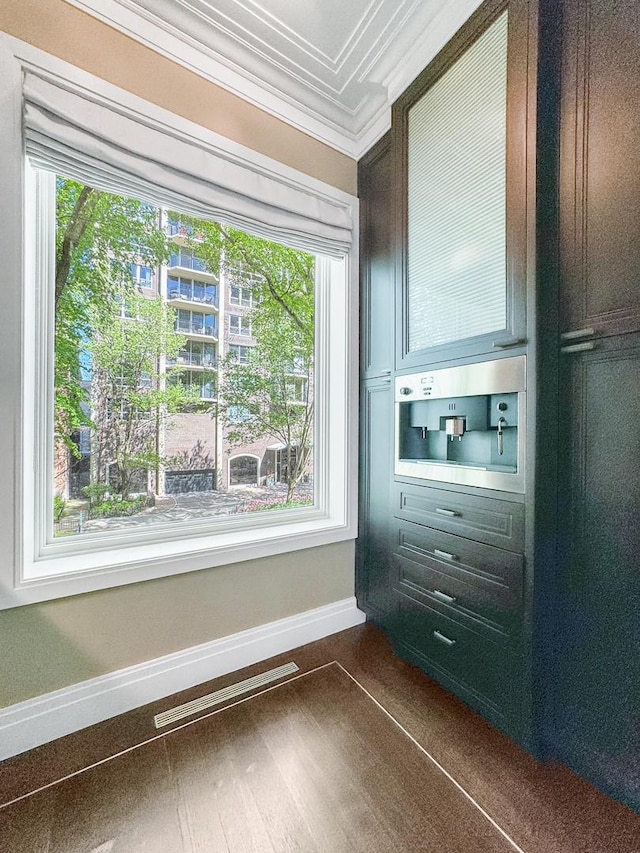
(377, 262)
(463, 142)
(373, 546)
(600, 167)
(597, 729)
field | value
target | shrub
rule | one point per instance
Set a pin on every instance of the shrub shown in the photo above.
(116, 507)
(59, 507)
(95, 492)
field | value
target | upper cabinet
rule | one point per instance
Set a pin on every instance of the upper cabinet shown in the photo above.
(377, 270)
(461, 138)
(600, 169)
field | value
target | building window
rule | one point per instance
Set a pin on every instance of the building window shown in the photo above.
(240, 353)
(242, 296)
(142, 275)
(240, 325)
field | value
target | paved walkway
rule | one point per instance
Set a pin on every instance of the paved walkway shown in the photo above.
(177, 508)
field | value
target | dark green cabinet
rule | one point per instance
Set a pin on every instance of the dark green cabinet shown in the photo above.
(373, 546)
(597, 723)
(529, 609)
(595, 641)
(600, 168)
(377, 265)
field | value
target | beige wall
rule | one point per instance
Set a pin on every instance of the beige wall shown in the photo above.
(70, 34)
(58, 643)
(52, 645)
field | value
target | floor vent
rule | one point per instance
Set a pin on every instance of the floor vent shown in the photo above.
(230, 692)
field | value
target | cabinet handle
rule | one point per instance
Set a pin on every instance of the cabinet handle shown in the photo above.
(449, 599)
(445, 555)
(574, 334)
(450, 513)
(587, 345)
(506, 343)
(386, 372)
(386, 381)
(446, 641)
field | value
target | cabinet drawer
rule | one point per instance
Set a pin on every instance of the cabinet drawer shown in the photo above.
(462, 660)
(478, 579)
(467, 606)
(486, 520)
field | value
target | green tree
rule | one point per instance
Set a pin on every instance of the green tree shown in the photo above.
(132, 390)
(98, 236)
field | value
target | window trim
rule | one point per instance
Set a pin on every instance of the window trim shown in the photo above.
(28, 252)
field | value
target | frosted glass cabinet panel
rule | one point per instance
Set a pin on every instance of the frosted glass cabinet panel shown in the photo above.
(456, 160)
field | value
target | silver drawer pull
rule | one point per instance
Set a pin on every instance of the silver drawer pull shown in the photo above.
(386, 372)
(587, 345)
(575, 334)
(444, 555)
(450, 513)
(450, 599)
(442, 639)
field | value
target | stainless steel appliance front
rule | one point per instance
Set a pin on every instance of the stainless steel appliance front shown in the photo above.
(463, 424)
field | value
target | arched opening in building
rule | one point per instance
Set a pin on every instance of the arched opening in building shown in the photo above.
(243, 470)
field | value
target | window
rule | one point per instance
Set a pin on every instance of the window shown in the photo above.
(142, 275)
(239, 353)
(239, 325)
(45, 565)
(241, 296)
(297, 390)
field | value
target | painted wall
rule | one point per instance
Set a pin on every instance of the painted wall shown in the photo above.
(72, 35)
(57, 643)
(52, 645)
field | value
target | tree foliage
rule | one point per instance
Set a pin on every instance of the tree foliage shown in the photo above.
(98, 236)
(132, 391)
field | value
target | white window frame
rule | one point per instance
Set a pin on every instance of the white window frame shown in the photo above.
(245, 326)
(35, 568)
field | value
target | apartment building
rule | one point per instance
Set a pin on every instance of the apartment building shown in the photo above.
(213, 313)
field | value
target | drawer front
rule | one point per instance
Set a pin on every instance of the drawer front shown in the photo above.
(463, 661)
(487, 520)
(501, 626)
(480, 580)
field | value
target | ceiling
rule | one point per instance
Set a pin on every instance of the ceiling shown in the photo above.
(332, 68)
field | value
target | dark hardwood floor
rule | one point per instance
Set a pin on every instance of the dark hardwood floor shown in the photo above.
(312, 764)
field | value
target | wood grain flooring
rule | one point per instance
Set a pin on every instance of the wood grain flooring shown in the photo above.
(312, 765)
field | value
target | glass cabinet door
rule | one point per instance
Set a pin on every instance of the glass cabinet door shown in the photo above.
(463, 189)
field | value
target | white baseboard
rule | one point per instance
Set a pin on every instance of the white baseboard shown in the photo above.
(36, 721)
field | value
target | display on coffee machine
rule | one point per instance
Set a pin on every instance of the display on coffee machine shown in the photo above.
(461, 424)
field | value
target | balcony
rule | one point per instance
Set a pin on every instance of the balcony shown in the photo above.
(183, 234)
(196, 327)
(205, 295)
(185, 261)
(194, 359)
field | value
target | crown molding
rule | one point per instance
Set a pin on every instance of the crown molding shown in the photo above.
(285, 93)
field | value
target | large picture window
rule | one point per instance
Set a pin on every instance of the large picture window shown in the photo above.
(130, 394)
(139, 397)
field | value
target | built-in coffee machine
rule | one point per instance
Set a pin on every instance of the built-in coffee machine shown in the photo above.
(463, 424)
